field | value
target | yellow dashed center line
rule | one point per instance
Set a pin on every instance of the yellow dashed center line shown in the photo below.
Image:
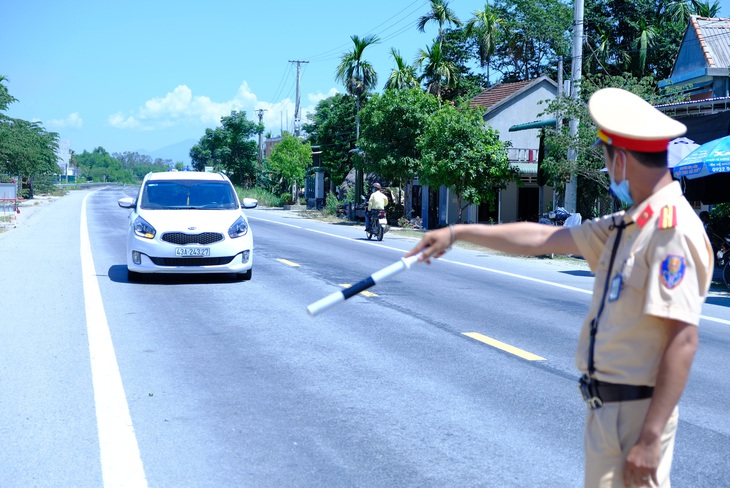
(505, 347)
(364, 293)
(289, 263)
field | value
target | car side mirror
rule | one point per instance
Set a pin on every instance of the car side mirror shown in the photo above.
(126, 202)
(249, 203)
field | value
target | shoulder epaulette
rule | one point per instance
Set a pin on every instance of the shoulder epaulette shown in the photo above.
(667, 217)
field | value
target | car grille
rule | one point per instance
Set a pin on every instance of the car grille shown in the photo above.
(182, 238)
(192, 261)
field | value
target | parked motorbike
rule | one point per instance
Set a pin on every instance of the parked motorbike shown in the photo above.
(557, 217)
(378, 225)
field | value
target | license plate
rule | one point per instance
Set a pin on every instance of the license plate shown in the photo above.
(192, 251)
(383, 221)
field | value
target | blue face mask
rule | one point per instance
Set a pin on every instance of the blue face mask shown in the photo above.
(621, 190)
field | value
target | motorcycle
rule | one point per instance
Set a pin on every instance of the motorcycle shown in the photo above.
(557, 217)
(378, 225)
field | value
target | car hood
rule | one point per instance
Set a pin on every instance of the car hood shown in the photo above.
(191, 221)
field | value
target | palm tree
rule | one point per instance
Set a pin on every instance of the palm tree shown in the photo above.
(680, 10)
(485, 28)
(403, 75)
(647, 34)
(441, 14)
(357, 74)
(437, 70)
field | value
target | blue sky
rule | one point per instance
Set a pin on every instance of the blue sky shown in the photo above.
(141, 75)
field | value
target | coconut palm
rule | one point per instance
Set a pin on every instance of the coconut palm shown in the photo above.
(437, 70)
(647, 34)
(403, 75)
(357, 74)
(680, 10)
(441, 14)
(484, 27)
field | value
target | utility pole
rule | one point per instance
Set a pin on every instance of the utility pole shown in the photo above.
(260, 113)
(571, 189)
(297, 121)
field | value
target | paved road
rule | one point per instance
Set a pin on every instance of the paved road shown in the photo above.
(457, 374)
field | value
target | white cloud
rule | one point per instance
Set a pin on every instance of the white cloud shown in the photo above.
(181, 107)
(73, 121)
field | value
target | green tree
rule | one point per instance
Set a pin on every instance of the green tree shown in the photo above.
(27, 150)
(459, 51)
(230, 148)
(357, 74)
(403, 76)
(440, 13)
(98, 165)
(593, 198)
(332, 128)
(392, 124)
(460, 153)
(290, 158)
(438, 71)
(535, 33)
(5, 98)
(485, 28)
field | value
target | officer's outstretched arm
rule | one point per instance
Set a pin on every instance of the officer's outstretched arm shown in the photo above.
(526, 238)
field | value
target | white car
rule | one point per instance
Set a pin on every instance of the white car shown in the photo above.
(188, 222)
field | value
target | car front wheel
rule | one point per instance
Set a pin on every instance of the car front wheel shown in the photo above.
(245, 276)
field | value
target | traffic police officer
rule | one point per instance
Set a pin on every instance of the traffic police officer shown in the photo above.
(653, 266)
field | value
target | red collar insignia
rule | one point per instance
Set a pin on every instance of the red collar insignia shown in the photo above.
(645, 216)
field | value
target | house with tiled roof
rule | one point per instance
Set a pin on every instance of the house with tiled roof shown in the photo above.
(510, 105)
(507, 105)
(701, 73)
(700, 69)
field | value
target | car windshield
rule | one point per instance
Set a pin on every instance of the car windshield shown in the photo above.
(188, 194)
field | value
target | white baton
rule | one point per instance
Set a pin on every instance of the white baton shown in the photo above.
(340, 296)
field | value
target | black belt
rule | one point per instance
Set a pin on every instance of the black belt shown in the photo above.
(612, 392)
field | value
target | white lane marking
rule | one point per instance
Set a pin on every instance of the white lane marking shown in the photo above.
(459, 263)
(121, 463)
(274, 222)
(521, 277)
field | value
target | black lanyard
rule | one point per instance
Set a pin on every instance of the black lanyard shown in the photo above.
(594, 322)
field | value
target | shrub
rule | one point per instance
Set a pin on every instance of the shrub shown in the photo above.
(331, 204)
(414, 223)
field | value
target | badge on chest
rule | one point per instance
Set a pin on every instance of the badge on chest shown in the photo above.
(614, 290)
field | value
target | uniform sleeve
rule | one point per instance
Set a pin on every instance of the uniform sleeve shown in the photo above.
(678, 277)
(590, 237)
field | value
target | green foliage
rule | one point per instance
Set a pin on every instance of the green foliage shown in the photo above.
(264, 197)
(100, 166)
(290, 158)
(460, 153)
(331, 204)
(332, 128)
(141, 164)
(230, 148)
(391, 125)
(357, 74)
(534, 34)
(592, 182)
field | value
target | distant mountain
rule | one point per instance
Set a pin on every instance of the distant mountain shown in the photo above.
(176, 152)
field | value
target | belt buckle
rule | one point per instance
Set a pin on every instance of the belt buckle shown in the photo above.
(589, 392)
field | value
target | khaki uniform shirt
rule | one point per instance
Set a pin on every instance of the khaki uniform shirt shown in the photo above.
(662, 270)
(377, 201)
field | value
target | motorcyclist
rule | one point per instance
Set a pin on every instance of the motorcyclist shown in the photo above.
(377, 201)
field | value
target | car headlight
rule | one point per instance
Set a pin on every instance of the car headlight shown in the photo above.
(143, 229)
(239, 228)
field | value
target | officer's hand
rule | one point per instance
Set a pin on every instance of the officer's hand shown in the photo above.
(433, 245)
(642, 464)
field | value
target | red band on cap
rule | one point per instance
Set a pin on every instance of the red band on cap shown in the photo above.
(642, 145)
